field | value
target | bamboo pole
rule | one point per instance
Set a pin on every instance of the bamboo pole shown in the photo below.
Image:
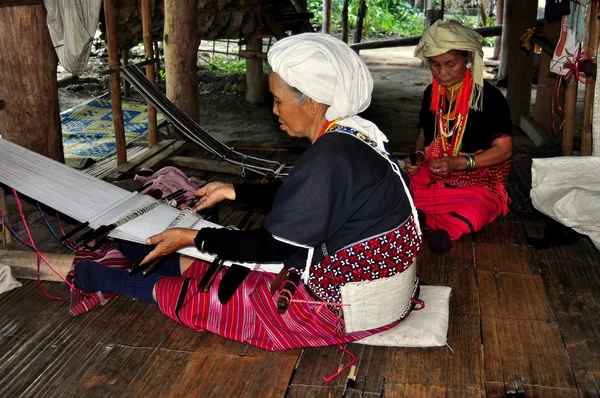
(569, 126)
(326, 28)
(588, 100)
(115, 86)
(149, 54)
(7, 237)
(23, 264)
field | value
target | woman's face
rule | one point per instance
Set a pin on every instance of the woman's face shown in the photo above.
(294, 116)
(448, 68)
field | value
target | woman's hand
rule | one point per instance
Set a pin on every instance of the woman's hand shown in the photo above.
(213, 193)
(169, 241)
(411, 169)
(445, 166)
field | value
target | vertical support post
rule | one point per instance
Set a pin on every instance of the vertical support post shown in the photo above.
(345, 21)
(588, 101)
(569, 127)
(546, 82)
(149, 54)
(255, 80)
(4, 207)
(499, 21)
(518, 16)
(360, 19)
(326, 28)
(115, 85)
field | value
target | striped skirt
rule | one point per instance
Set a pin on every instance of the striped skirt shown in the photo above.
(251, 315)
(459, 211)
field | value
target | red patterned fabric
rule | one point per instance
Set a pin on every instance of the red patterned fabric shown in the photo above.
(107, 255)
(251, 315)
(373, 258)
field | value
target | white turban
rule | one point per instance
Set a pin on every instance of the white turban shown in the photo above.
(328, 71)
(442, 37)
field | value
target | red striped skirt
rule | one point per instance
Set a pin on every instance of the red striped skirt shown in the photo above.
(459, 211)
(251, 315)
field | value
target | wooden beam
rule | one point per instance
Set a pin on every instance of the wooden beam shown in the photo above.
(115, 82)
(519, 15)
(588, 101)
(149, 54)
(16, 3)
(23, 264)
(218, 166)
(7, 236)
(255, 77)
(155, 155)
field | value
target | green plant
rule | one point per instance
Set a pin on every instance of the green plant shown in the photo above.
(226, 65)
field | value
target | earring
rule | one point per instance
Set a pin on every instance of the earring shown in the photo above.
(469, 65)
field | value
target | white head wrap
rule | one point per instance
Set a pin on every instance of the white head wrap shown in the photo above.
(328, 71)
(444, 36)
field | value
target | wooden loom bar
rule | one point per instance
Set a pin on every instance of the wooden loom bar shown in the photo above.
(588, 101)
(115, 86)
(149, 53)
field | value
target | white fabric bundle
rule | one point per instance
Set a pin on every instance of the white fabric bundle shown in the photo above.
(7, 281)
(567, 189)
(331, 73)
(72, 25)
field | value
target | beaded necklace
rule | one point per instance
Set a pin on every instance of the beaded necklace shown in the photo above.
(458, 114)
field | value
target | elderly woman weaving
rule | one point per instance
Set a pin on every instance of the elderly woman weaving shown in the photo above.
(344, 215)
(465, 142)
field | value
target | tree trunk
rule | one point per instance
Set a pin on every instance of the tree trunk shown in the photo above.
(518, 16)
(255, 80)
(326, 16)
(181, 41)
(28, 81)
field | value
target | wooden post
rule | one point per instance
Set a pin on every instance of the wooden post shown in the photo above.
(326, 16)
(360, 19)
(181, 41)
(588, 101)
(255, 79)
(499, 20)
(7, 236)
(519, 15)
(149, 54)
(115, 86)
(546, 82)
(30, 115)
(570, 107)
(345, 21)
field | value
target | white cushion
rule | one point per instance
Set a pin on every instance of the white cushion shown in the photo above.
(423, 328)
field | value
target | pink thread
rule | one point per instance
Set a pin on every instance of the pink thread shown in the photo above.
(417, 301)
(38, 254)
(346, 366)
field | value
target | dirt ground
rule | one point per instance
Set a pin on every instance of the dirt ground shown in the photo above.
(399, 84)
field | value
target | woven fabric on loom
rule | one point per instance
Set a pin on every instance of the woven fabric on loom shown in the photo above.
(88, 131)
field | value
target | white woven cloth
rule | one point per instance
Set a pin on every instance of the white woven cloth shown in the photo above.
(331, 73)
(424, 328)
(7, 281)
(567, 189)
(72, 25)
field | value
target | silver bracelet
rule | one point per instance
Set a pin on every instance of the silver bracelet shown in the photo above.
(470, 162)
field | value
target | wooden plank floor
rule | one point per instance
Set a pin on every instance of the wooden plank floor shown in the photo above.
(516, 312)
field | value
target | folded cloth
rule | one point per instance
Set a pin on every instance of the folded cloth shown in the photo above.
(168, 180)
(7, 281)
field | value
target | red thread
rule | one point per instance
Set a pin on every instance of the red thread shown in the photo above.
(346, 366)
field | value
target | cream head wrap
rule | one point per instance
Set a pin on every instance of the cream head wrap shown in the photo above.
(442, 37)
(328, 71)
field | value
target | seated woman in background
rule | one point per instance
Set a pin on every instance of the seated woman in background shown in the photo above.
(343, 215)
(465, 144)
